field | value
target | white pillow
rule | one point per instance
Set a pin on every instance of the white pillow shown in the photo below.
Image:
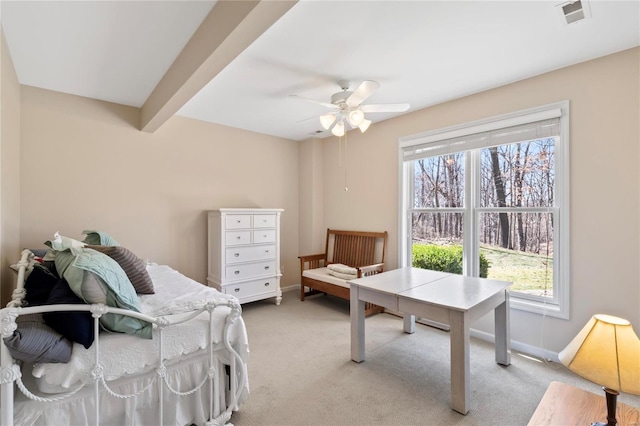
(342, 269)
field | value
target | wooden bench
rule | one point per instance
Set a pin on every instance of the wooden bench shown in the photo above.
(363, 251)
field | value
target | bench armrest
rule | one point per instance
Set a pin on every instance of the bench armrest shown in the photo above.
(364, 271)
(313, 261)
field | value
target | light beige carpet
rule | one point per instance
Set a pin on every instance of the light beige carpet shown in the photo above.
(301, 373)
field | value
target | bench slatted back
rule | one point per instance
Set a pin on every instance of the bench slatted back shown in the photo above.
(355, 248)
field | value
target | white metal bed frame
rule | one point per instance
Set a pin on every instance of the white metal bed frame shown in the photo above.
(10, 371)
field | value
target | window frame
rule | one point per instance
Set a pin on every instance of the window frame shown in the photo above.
(437, 140)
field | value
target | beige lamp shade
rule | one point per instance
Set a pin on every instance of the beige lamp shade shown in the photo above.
(606, 352)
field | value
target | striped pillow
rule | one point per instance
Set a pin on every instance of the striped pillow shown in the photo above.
(35, 341)
(135, 268)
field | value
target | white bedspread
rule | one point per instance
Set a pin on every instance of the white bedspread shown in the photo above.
(123, 355)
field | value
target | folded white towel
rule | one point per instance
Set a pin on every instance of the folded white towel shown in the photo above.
(342, 276)
(342, 269)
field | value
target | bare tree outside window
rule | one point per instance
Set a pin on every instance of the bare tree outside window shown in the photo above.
(514, 226)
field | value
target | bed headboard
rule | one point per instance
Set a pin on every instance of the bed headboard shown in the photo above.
(21, 267)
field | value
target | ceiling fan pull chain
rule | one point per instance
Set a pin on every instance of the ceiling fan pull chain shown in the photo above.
(346, 187)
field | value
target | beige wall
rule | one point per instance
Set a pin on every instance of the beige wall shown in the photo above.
(9, 171)
(85, 166)
(312, 233)
(604, 152)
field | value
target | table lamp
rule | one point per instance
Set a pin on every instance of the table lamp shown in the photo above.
(606, 352)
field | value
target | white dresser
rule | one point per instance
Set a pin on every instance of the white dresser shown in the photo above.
(244, 253)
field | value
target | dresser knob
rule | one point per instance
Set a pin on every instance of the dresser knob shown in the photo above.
(237, 272)
(266, 284)
(266, 268)
(238, 237)
(237, 290)
(236, 254)
(237, 220)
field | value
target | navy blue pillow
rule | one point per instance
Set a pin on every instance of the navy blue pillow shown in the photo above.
(38, 285)
(76, 326)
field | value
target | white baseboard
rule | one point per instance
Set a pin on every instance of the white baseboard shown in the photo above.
(519, 346)
(293, 287)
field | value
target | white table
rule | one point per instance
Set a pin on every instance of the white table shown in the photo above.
(446, 298)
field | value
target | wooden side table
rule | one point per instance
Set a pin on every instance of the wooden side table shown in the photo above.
(566, 405)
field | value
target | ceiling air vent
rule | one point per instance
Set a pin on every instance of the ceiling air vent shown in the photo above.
(574, 11)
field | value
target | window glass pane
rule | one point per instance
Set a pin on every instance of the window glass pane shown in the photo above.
(437, 241)
(439, 181)
(519, 248)
(518, 175)
(507, 178)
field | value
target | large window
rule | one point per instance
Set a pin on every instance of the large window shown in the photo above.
(490, 199)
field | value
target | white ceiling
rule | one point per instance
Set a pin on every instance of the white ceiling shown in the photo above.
(421, 52)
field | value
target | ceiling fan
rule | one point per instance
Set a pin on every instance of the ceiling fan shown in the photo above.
(348, 107)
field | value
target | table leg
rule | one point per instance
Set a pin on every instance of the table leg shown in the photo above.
(502, 332)
(460, 365)
(357, 325)
(409, 323)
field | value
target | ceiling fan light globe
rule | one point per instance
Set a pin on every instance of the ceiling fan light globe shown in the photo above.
(327, 120)
(355, 117)
(364, 125)
(338, 129)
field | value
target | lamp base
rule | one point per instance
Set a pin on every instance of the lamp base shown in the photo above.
(612, 396)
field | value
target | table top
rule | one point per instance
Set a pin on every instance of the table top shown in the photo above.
(564, 404)
(456, 291)
(439, 288)
(398, 280)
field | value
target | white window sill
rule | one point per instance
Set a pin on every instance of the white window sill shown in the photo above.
(542, 308)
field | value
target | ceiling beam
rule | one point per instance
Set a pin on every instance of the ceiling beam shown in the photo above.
(229, 28)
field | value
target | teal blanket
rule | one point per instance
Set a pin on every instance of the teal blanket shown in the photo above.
(74, 265)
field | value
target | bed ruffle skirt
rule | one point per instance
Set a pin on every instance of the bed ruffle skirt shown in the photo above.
(142, 409)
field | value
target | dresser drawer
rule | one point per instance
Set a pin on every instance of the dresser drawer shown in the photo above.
(251, 288)
(234, 238)
(264, 220)
(238, 221)
(247, 254)
(239, 272)
(264, 236)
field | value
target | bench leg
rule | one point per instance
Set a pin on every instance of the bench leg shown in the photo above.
(371, 309)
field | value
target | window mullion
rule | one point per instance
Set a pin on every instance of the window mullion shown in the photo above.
(472, 197)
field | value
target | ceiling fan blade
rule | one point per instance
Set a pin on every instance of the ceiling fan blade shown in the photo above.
(324, 104)
(315, 117)
(363, 91)
(385, 108)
